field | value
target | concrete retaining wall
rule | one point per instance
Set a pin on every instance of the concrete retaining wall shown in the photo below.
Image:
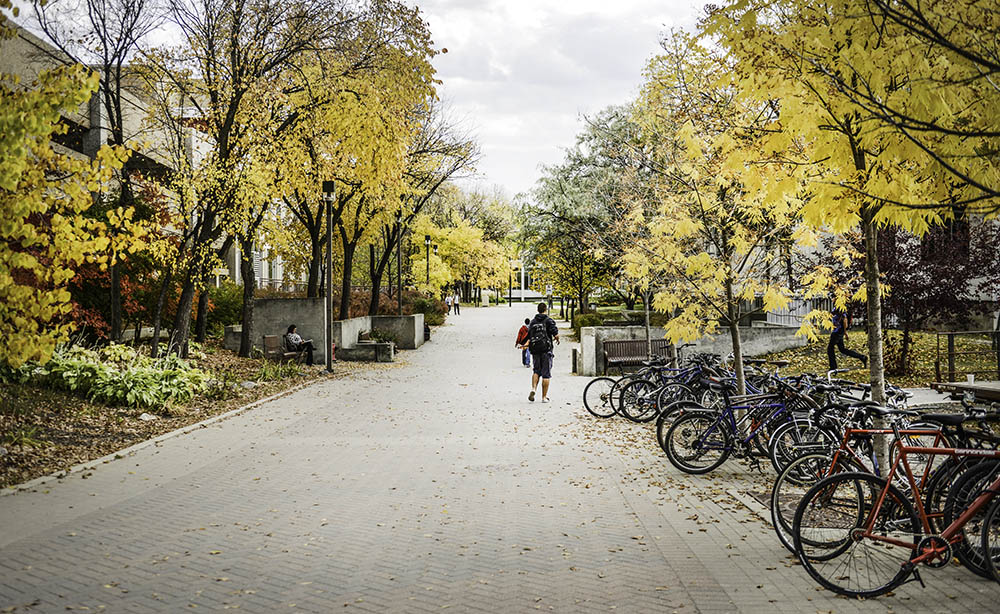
(272, 316)
(345, 332)
(368, 352)
(755, 340)
(408, 330)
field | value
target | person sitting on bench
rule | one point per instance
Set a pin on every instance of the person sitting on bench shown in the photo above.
(294, 343)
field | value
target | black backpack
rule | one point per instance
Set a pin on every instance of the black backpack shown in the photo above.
(538, 337)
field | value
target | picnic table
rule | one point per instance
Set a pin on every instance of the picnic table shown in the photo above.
(984, 391)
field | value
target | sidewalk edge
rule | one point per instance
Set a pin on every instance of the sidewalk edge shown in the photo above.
(34, 484)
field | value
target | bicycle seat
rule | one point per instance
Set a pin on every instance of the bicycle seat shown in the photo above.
(864, 404)
(780, 363)
(946, 419)
(755, 361)
(724, 384)
(825, 388)
(871, 406)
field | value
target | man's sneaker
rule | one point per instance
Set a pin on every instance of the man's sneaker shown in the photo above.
(546, 400)
(531, 396)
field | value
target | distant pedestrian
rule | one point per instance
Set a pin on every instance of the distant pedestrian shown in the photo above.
(455, 302)
(542, 331)
(447, 301)
(522, 343)
(841, 323)
(294, 343)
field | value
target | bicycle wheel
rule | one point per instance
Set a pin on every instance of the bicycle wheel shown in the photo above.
(937, 487)
(672, 393)
(616, 391)
(792, 484)
(966, 487)
(845, 557)
(697, 443)
(991, 538)
(795, 438)
(667, 416)
(597, 397)
(638, 402)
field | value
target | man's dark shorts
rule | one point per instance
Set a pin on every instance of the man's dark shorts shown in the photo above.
(542, 365)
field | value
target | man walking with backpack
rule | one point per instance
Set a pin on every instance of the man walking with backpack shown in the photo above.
(541, 333)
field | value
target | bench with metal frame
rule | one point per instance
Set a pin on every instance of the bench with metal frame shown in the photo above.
(631, 353)
(274, 349)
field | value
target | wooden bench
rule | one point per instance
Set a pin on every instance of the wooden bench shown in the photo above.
(631, 353)
(274, 349)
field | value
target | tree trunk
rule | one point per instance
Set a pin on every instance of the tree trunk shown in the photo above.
(376, 269)
(345, 285)
(116, 303)
(314, 279)
(249, 286)
(876, 368)
(161, 300)
(904, 358)
(201, 317)
(649, 339)
(182, 319)
(734, 334)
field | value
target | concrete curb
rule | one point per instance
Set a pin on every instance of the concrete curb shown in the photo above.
(34, 484)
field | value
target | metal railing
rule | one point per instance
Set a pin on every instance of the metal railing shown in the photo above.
(969, 344)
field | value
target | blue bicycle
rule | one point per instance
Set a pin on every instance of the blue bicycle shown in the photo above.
(701, 440)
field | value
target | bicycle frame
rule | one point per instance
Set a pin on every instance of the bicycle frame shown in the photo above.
(953, 532)
(853, 433)
(727, 417)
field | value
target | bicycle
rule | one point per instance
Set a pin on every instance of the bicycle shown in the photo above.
(861, 536)
(700, 440)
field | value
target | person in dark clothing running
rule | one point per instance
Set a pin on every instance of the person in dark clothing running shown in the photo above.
(841, 322)
(541, 333)
(522, 344)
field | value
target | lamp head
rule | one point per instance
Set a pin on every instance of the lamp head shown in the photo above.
(329, 190)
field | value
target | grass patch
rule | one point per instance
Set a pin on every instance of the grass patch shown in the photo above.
(812, 358)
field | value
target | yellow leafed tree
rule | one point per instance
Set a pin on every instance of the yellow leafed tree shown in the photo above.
(727, 196)
(813, 59)
(43, 196)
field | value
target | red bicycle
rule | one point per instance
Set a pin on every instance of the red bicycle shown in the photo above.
(862, 536)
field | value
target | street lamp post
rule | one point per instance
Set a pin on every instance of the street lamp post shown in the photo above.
(399, 263)
(427, 243)
(329, 195)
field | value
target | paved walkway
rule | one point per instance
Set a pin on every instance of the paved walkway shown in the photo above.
(427, 486)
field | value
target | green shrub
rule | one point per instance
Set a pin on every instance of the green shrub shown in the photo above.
(130, 379)
(586, 319)
(383, 336)
(226, 307)
(432, 309)
(275, 370)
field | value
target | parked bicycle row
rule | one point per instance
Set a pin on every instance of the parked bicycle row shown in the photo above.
(855, 531)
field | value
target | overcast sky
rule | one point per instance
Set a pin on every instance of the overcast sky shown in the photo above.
(521, 72)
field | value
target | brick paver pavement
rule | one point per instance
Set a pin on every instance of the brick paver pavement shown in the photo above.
(427, 486)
